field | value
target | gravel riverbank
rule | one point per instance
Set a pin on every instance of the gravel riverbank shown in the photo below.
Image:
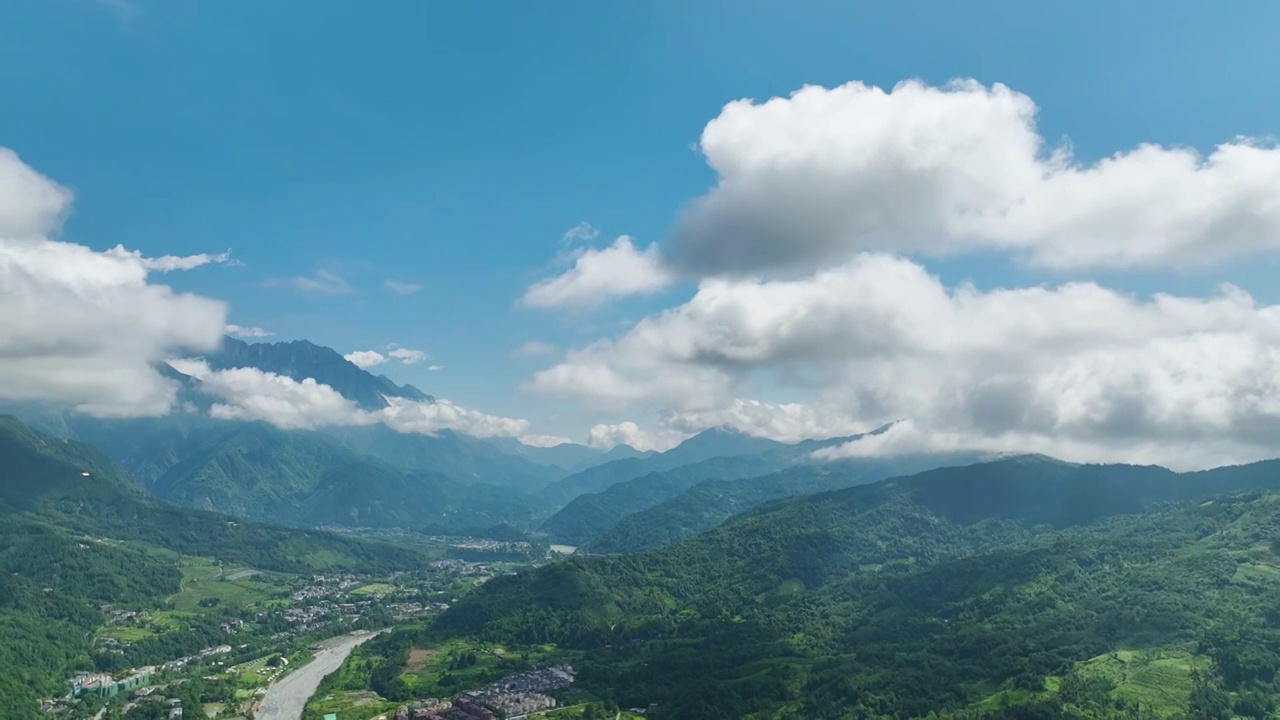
(286, 697)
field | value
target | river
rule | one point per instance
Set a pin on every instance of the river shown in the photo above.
(286, 698)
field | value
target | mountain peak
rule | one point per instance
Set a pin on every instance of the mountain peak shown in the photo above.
(302, 359)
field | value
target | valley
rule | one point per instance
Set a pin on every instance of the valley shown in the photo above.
(277, 635)
(233, 570)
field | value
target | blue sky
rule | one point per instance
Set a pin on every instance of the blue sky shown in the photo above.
(450, 145)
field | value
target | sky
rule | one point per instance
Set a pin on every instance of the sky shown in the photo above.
(1013, 227)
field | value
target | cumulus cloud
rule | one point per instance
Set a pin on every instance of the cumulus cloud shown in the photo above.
(407, 356)
(251, 394)
(1078, 369)
(31, 205)
(402, 355)
(249, 332)
(365, 358)
(324, 282)
(605, 436)
(599, 274)
(816, 177)
(408, 416)
(401, 288)
(83, 328)
(434, 368)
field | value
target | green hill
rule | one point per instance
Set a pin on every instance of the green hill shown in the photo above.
(637, 521)
(981, 591)
(590, 514)
(77, 532)
(254, 471)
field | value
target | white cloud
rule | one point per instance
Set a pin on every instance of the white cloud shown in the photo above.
(600, 274)
(583, 232)
(324, 282)
(400, 287)
(1077, 370)
(816, 177)
(544, 441)
(407, 356)
(254, 395)
(784, 422)
(82, 328)
(365, 358)
(170, 263)
(434, 368)
(606, 436)
(249, 332)
(535, 348)
(409, 416)
(31, 205)
(371, 358)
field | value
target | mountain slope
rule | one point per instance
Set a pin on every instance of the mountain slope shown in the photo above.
(590, 514)
(917, 594)
(617, 452)
(460, 457)
(257, 472)
(300, 359)
(711, 502)
(77, 532)
(712, 443)
(38, 470)
(54, 585)
(569, 456)
(44, 478)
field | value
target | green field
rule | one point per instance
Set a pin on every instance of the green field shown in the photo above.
(126, 633)
(350, 705)
(460, 664)
(374, 589)
(204, 579)
(1159, 679)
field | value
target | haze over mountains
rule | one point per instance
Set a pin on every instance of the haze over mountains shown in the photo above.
(367, 474)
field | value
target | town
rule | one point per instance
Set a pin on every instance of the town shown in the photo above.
(513, 696)
(262, 616)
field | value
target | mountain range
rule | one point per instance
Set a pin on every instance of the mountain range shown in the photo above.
(1018, 588)
(373, 476)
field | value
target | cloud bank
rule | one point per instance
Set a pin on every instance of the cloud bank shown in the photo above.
(811, 257)
(250, 394)
(83, 328)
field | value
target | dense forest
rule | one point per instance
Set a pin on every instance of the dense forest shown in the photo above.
(1008, 589)
(702, 506)
(77, 533)
(54, 585)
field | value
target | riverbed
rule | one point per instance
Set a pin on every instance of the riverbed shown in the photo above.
(286, 698)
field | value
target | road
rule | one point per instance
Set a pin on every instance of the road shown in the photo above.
(287, 696)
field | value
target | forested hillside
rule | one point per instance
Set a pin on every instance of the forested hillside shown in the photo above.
(644, 524)
(75, 533)
(54, 584)
(996, 590)
(254, 471)
(590, 514)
